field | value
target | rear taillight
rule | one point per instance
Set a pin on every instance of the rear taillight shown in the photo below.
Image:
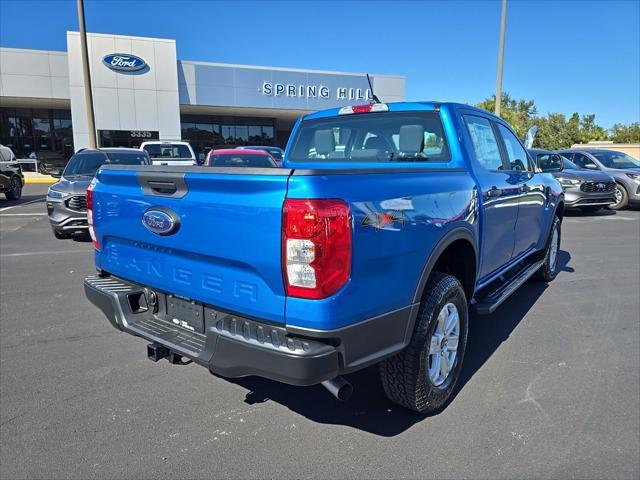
(366, 108)
(316, 247)
(96, 245)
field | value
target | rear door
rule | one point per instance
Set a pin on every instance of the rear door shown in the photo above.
(532, 193)
(225, 247)
(500, 193)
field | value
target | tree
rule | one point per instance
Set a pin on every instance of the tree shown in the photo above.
(555, 130)
(626, 133)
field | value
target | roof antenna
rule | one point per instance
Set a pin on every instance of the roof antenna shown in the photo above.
(373, 95)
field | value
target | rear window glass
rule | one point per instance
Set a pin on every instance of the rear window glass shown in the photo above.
(372, 137)
(241, 160)
(166, 151)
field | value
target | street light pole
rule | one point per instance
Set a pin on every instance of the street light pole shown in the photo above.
(503, 23)
(88, 96)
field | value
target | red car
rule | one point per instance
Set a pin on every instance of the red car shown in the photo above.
(240, 158)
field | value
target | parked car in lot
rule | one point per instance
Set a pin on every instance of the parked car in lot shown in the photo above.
(624, 169)
(276, 152)
(586, 190)
(354, 253)
(67, 199)
(11, 176)
(240, 158)
(169, 153)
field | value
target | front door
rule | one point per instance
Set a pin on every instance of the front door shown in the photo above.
(500, 195)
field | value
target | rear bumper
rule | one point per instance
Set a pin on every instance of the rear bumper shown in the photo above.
(234, 346)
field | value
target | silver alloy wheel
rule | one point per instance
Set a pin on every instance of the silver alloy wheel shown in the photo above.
(443, 347)
(15, 186)
(618, 194)
(553, 253)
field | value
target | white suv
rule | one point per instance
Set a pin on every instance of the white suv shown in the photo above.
(169, 152)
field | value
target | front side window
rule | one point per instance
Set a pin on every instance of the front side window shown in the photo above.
(166, 151)
(583, 161)
(516, 153)
(372, 137)
(484, 142)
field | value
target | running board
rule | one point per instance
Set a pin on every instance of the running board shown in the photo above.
(494, 299)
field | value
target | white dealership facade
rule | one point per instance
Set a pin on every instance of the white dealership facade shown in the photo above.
(43, 112)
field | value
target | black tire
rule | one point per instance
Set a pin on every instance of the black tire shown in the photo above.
(60, 235)
(624, 198)
(549, 268)
(591, 209)
(15, 189)
(405, 376)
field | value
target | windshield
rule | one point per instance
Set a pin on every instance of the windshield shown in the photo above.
(87, 164)
(371, 137)
(569, 164)
(168, 150)
(616, 159)
(241, 160)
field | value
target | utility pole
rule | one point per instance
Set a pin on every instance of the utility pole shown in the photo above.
(88, 96)
(503, 23)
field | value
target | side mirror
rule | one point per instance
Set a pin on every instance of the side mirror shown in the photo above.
(591, 166)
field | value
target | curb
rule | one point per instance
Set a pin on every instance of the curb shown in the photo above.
(40, 180)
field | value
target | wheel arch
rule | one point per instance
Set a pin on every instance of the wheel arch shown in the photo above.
(456, 253)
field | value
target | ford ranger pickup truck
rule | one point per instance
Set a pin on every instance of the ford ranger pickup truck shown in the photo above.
(386, 225)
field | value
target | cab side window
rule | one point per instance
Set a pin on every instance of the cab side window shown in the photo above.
(516, 154)
(484, 142)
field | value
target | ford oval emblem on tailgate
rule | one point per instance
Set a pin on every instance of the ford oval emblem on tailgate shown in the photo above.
(161, 221)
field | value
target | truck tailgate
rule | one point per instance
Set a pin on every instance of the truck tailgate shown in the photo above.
(226, 249)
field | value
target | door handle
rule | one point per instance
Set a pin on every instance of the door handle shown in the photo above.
(494, 192)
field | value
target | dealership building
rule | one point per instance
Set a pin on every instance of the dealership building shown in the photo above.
(142, 91)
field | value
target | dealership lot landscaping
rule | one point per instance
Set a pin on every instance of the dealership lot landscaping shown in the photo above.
(550, 386)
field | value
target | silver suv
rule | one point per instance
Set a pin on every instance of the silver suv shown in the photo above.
(67, 199)
(622, 167)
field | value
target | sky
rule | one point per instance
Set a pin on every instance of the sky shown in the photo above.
(567, 55)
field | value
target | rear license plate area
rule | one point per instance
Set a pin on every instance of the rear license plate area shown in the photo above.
(186, 314)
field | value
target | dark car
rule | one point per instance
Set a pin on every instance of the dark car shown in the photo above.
(11, 177)
(587, 190)
(240, 158)
(624, 169)
(276, 152)
(67, 199)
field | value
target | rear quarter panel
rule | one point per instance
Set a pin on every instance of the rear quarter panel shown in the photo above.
(388, 256)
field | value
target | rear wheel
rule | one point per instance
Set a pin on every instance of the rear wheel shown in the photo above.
(422, 376)
(15, 189)
(622, 198)
(549, 268)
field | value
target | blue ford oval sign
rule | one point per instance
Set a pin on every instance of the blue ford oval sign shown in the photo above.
(124, 63)
(160, 221)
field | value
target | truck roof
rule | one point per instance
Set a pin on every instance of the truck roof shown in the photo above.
(401, 107)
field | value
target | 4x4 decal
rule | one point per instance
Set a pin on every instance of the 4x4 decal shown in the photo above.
(379, 220)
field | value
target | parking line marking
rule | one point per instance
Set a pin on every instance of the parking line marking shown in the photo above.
(22, 214)
(50, 252)
(22, 204)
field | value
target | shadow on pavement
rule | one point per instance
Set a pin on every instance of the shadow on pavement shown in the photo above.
(25, 199)
(369, 409)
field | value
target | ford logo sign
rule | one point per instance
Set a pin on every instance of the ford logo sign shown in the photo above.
(124, 63)
(600, 186)
(161, 221)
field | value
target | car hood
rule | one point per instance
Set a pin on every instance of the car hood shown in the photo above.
(74, 185)
(585, 175)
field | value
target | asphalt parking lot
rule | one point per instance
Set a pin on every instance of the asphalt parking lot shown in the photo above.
(550, 387)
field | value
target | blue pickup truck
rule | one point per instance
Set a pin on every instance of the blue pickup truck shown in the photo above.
(386, 225)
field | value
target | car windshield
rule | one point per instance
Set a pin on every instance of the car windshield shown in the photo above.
(371, 137)
(87, 164)
(168, 150)
(241, 160)
(568, 164)
(616, 159)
